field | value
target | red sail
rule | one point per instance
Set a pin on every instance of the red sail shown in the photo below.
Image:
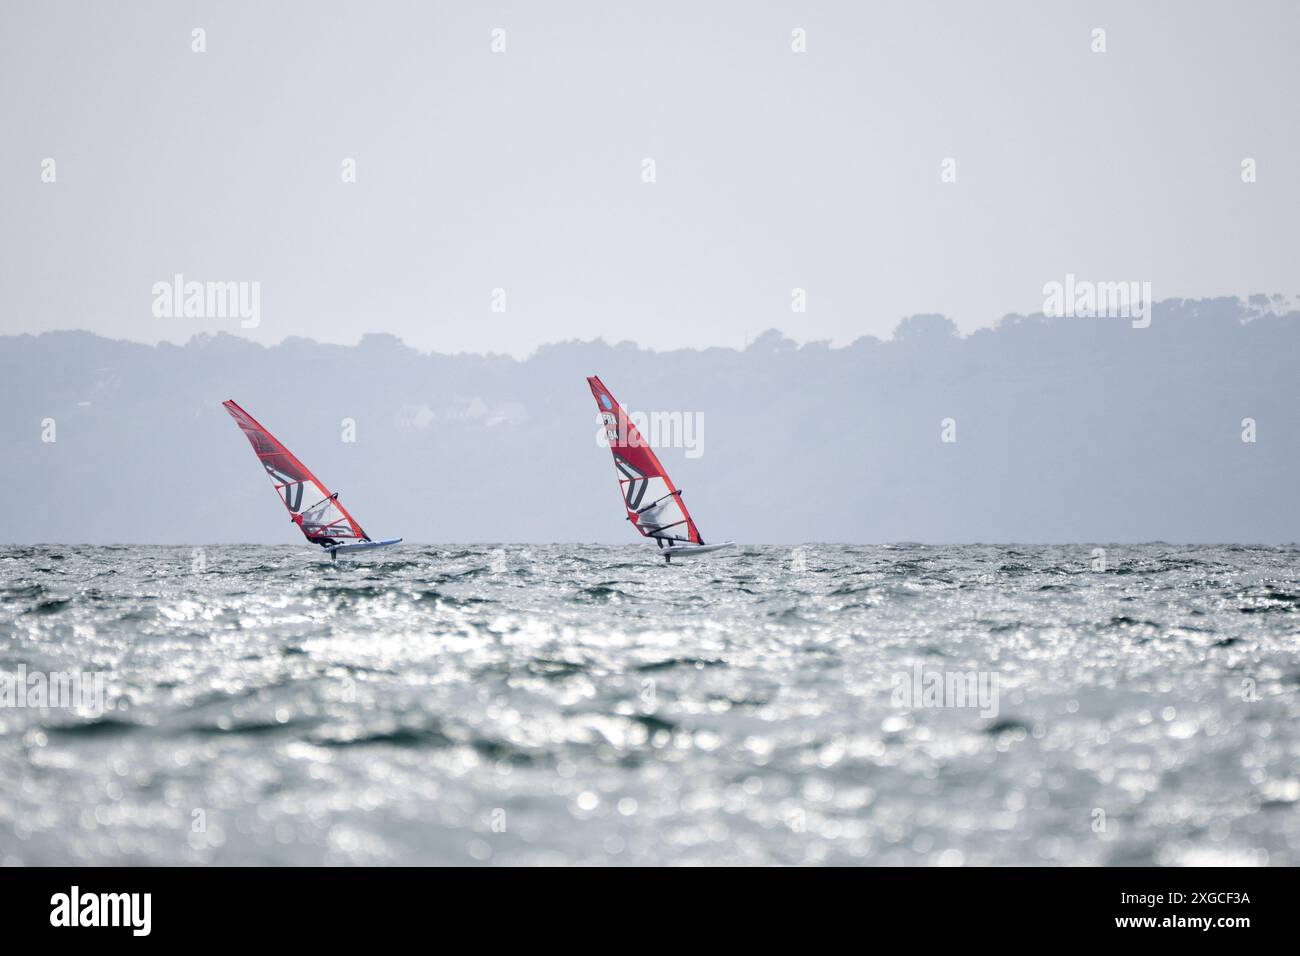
(653, 503)
(311, 505)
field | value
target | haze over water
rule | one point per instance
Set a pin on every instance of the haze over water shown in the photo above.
(522, 705)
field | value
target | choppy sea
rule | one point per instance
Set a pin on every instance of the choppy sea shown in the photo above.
(551, 705)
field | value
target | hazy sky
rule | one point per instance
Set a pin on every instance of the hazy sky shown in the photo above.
(522, 170)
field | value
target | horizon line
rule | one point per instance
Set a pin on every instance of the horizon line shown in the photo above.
(1249, 300)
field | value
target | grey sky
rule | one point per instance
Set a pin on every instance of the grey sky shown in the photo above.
(522, 170)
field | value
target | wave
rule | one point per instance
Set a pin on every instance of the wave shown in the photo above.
(100, 727)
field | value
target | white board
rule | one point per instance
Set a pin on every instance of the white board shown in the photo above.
(363, 545)
(693, 550)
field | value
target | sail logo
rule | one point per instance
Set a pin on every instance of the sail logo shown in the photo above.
(181, 299)
(70, 691)
(923, 688)
(132, 910)
(636, 482)
(1083, 298)
(289, 486)
(653, 430)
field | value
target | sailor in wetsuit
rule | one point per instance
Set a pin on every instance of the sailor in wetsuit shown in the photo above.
(323, 540)
(651, 517)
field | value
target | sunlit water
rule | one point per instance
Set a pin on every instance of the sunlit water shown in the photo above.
(526, 705)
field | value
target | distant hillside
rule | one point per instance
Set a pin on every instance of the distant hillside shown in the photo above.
(1066, 430)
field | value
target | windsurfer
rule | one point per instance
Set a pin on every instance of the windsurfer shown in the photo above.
(322, 540)
(641, 476)
(651, 517)
(330, 526)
